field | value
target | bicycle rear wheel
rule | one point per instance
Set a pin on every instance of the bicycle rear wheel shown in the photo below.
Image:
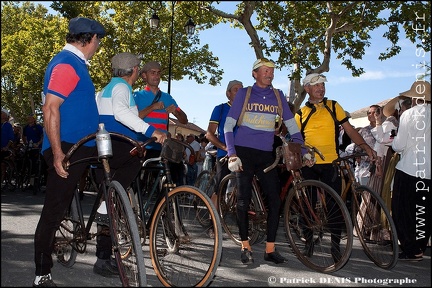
(67, 235)
(227, 202)
(375, 227)
(318, 226)
(181, 250)
(206, 182)
(125, 237)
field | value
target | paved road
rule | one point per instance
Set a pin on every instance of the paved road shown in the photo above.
(20, 213)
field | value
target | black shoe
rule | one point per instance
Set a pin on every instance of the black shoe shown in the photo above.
(308, 249)
(246, 256)
(413, 258)
(274, 257)
(106, 269)
(45, 281)
(336, 254)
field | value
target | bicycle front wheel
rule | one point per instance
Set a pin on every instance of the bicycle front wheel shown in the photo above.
(227, 208)
(374, 227)
(182, 251)
(318, 226)
(125, 237)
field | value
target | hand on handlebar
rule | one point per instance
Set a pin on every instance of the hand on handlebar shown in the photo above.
(160, 136)
(60, 166)
(235, 164)
(309, 159)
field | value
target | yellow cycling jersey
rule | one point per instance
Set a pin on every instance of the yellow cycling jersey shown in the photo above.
(321, 129)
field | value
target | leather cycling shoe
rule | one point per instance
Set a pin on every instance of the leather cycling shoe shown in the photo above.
(274, 257)
(106, 269)
(246, 256)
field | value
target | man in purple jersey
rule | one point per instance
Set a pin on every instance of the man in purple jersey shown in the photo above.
(253, 144)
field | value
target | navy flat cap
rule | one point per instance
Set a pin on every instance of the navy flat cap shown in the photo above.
(84, 25)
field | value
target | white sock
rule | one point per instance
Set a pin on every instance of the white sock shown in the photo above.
(38, 278)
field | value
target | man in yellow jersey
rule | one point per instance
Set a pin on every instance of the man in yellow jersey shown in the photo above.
(319, 122)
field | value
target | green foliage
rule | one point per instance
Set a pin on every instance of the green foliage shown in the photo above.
(303, 34)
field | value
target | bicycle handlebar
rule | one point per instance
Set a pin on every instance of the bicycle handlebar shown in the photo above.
(142, 145)
(279, 154)
(223, 159)
(66, 164)
(336, 163)
(348, 157)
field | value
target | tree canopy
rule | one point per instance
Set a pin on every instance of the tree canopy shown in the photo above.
(304, 35)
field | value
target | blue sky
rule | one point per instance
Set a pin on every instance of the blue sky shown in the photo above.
(382, 80)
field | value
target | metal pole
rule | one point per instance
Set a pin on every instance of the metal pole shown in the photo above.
(171, 48)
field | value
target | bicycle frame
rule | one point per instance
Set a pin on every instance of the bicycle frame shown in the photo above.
(167, 186)
(122, 224)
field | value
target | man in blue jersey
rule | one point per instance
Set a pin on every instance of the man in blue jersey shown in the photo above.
(250, 151)
(155, 106)
(119, 113)
(32, 132)
(215, 134)
(7, 136)
(32, 138)
(69, 91)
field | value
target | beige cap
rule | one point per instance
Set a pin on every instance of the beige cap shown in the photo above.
(125, 61)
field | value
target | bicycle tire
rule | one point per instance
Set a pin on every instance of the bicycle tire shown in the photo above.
(10, 175)
(25, 174)
(376, 230)
(37, 178)
(133, 199)
(226, 203)
(206, 182)
(153, 187)
(182, 252)
(302, 225)
(125, 237)
(65, 246)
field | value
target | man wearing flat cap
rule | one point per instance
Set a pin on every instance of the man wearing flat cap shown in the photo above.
(70, 113)
(411, 199)
(117, 109)
(250, 151)
(154, 107)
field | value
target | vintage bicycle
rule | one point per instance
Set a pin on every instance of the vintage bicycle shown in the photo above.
(73, 233)
(370, 216)
(316, 219)
(206, 180)
(177, 220)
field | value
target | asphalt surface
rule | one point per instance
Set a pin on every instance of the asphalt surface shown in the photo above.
(20, 213)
